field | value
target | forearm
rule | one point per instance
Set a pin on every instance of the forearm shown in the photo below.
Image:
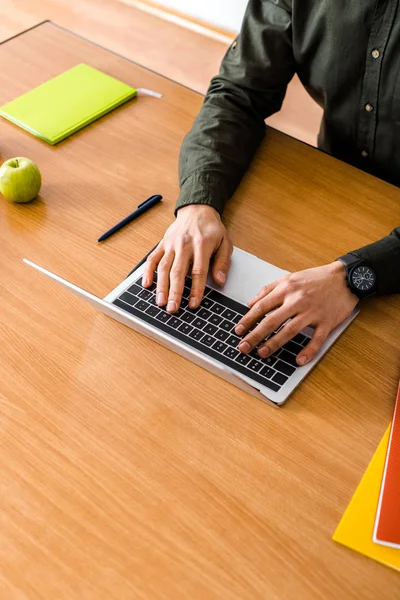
(218, 150)
(384, 257)
(250, 87)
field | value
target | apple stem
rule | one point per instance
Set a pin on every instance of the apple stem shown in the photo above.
(16, 161)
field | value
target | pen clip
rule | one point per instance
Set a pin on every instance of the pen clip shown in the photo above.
(146, 201)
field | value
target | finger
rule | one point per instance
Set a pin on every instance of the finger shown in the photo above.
(267, 326)
(263, 292)
(284, 335)
(163, 271)
(201, 263)
(178, 273)
(258, 312)
(222, 261)
(318, 338)
(151, 264)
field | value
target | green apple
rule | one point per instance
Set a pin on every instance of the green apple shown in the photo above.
(20, 179)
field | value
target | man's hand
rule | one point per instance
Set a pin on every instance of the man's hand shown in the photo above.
(317, 297)
(195, 236)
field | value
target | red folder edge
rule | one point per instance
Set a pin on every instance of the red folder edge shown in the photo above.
(387, 523)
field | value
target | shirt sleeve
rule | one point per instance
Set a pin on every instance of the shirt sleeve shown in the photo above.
(384, 257)
(250, 87)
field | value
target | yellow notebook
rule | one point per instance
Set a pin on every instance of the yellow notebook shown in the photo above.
(357, 525)
(66, 103)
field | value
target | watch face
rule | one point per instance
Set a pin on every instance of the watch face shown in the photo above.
(363, 278)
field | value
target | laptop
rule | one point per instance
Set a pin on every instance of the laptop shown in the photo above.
(206, 335)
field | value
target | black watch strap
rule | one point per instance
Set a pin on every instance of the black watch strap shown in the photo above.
(349, 260)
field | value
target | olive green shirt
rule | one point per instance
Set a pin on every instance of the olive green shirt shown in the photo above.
(347, 55)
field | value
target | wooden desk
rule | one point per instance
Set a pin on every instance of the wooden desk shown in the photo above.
(126, 471)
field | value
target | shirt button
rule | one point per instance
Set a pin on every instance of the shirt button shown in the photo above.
(375, 53)
(364, 154)
(369, 107)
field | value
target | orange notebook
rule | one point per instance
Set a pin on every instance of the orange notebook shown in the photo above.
(387, 523)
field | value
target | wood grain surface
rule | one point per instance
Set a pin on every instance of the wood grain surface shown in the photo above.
(127, 472)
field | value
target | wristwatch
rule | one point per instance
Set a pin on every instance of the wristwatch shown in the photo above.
(360, 277)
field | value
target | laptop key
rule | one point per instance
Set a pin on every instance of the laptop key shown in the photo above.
(203, 313)
(199, 323)
(135, 289)
(288, 357)
(243, 359)
(196, 334)
(267, 372)
(184, 303)
(174, 322)
(152, 311)
(142, 305)
(210, 329)
(284, 368)
(129, 298)
(207, 303)
(144, 294)
(163, 316)
(219, 346)
(254, 365)
(226, 325)
(279, 378)
(208, 340)
(293, 347)
(221, 335)
(215, 319)
(228, 314)
(231, 353)
(299, 339)
(233, 340)
(185, 328)
(186, 292)
(270, 360)
(236, 318)
(188, 317)
(218, 309)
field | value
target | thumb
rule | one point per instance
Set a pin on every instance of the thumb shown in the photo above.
(222, 261)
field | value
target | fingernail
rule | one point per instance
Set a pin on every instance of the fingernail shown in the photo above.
(302, 360)
(145, 281)
(244, 347)
(171, 306)
(263, 352)
(161, 299)
(192, 302)
(239, 329)
(221, 276)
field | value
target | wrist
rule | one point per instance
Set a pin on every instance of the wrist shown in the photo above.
(337, 268)
(197, 209)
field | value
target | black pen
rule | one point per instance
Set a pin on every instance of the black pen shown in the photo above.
(140, 209)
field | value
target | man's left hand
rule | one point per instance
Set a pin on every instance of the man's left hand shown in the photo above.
(317, 297)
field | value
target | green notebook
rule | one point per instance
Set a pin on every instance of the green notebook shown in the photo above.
(66, 103)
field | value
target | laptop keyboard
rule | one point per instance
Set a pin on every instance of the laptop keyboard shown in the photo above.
(210, 330)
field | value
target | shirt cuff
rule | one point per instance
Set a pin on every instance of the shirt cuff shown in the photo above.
(205, 188)
(384, 258)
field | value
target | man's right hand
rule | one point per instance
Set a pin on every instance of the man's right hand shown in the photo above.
(190, 242)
